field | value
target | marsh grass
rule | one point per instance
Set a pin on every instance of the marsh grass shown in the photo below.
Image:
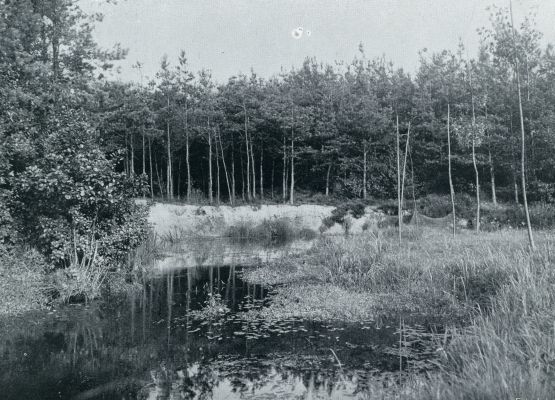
(496, 299)
(174, 235)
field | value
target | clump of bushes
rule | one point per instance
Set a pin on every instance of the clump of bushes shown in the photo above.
(73, 207)
(437, 206)
(542, 216)
(353, 207)
(72, 204)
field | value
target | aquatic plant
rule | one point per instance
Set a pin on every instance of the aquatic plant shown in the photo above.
(213, 308)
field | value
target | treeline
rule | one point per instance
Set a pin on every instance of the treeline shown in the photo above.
(332, 128)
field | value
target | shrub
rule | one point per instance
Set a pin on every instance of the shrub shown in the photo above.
(328, 222)
(437, 206)
(542, 216)
(353, 207)
(72, 196)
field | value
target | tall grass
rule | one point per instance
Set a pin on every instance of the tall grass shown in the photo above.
(86, 272)
(508, 352)
(502, 341)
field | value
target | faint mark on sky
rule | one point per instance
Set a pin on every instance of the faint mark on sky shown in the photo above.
(297, 33)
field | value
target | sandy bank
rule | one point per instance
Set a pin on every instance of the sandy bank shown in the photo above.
(215, 220)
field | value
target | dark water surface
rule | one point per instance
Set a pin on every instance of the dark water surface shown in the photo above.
(186, 336)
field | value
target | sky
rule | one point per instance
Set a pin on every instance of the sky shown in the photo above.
(230, 37)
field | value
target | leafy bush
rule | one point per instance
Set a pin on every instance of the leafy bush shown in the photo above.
(328, 222)
(437, 206)
(541, 192)
(353, 207)
(542, 216)
(71, 199)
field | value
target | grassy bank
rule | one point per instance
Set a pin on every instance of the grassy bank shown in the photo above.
(496, 297)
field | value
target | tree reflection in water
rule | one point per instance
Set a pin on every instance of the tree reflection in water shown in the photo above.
(166, 343)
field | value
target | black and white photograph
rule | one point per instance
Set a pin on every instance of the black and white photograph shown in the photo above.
(277, 199)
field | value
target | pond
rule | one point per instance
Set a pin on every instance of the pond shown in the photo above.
(188, 335)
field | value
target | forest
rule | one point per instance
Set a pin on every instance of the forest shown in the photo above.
(331, 129)
(319, 128)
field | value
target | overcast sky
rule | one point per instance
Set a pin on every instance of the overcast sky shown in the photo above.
(233, 36)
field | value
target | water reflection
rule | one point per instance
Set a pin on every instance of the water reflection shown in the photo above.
(186, 336)
(221, 251)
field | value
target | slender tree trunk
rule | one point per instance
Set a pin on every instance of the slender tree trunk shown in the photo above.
(492, 177)
(328, 181)
(405, 167)
(292, 190)
(491, 166)
(412, 183)
(169, 181)
(178, 192)
(144, 150)
(126, 163)
(477, 185)
(151, 175)
(514, 162)
(217, 174)
(160, 185)
(253, 171)
(399, 210)
(261, 172)
(225, 170)
(284, 189)
(232, 171)
(474, 157)
(210, 183)
(187, 156)
(179, 179)
(451, 189)
(132, 158)
(273, 167)
(242, 177)
(515, 185)
(287, 174)
(247, 149)
(522, 139)
(365, 153)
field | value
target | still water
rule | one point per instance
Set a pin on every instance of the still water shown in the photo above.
(188, 335)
